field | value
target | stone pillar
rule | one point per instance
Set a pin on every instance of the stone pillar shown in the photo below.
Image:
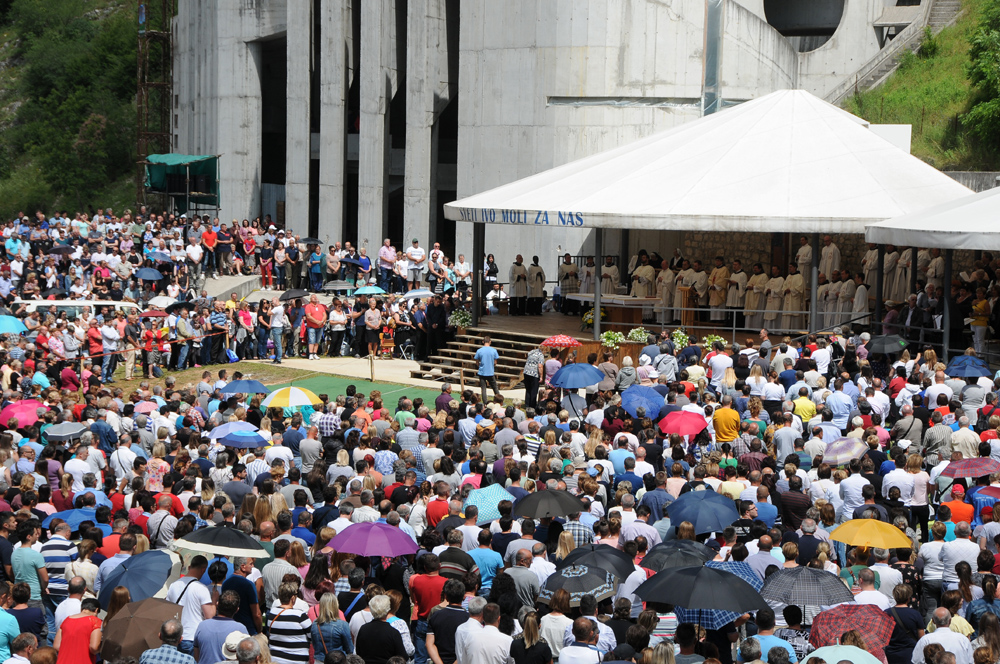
(334, 23)
(377, 20)
(297, 139)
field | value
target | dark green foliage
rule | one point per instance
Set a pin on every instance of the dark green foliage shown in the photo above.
(983, 117)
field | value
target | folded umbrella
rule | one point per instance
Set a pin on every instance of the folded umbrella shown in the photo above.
(600, 556)
(718, 618)
(640, 396)
(851, 654)
(875, 626)
(886, 344)
(577, 375)
(64, 431)
(578, 580)
(701, 588)
(143, 574)
(290, 397)
(229, 427)
(25, 412)
(11, 325)
(244, 440)
(223, 541)
(148, 274)
(374, 539)
(561, 341)
(293, 294)
(676, 553)
(161, 301)
(487, 501)
(245, 387)
(871, 533)
(707, 511)
(968, 366)
(842, 451)
(971, 467)
(72, 517)
(549, 503)
(136, 628)
(683, 423)
(805, 586)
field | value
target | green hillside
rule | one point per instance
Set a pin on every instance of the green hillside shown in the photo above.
(932, 92)
(67, 104)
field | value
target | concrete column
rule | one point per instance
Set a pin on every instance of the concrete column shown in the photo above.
(334, 23)
(420, 85)
(478, 245)
(599, 262)
(376, 19)
(297, 139)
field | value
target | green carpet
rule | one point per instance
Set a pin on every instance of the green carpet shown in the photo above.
(391, 392)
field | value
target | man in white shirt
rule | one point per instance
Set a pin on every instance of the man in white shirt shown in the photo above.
(583, 648)
(952, 642)
(888, 577)
(78, 467)
(868, 594)
(195, 599)
(959, 549)
(277, 452)
(122, 459)
(490, 645)
(71, 605)
(898, 477)
(932, 392)
(851, 490)
(469, 631)
(822, 357)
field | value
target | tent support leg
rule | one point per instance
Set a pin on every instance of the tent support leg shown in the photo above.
(814, 290)
(599, 262)
(879, 284)
(946, 318)
(913, 271)
(478, 249)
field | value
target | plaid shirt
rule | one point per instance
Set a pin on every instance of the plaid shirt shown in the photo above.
(741, 444)
(165, 654)
(341, 585)
(328, 424)
(582, 535)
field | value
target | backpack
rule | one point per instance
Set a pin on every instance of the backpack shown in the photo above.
(983, 422)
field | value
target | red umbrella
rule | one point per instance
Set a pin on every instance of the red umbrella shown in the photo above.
(23, 411)
(561, 341)
(991, 491)
(874, 625)
(684, 423)
(153, 314)
(972, 467)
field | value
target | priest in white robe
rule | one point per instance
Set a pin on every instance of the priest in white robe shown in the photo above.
(569, 284)
(846, 297)
(736, 294)
(831, 306)
(774, 294)
(935, 269)
(684, 278)
(665, 291)
(700, 283)
(642, 278)
(860, 307)
(718, 286)
(829, 256)
(756, 299)
(869, 264)
(794, 300)
(804, 256)
(588, 275)
(610, 277)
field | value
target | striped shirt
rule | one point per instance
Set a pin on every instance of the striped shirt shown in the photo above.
(290, 630)
(255, 468)
(58, 553)
(272, 573)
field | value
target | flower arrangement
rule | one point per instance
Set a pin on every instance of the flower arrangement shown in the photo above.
(612, 340)
(710, 339)
(588, 318)
(638, 334)
(680, 338)
(460, 318)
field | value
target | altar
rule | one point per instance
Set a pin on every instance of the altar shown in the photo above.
(624, 311)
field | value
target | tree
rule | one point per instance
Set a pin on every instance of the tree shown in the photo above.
(983, 70)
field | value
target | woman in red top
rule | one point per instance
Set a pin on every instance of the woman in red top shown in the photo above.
(79, 636)
(94, 340)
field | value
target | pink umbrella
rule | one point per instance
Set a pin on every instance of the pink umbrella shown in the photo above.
(23, 411)
(146, 407)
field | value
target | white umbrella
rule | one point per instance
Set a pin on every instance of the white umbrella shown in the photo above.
(161, 301)
(418, 293)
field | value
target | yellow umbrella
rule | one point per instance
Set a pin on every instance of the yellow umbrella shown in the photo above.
(871, 533)
(290, 397)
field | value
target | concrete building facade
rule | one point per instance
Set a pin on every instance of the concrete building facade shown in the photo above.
(356, 120)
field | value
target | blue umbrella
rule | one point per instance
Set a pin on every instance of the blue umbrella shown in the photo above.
(11, 325)
(487, 501)
(148, 274)
(639, 396)
(717, 618)
(245, 387)
(160, 257)
(143, 574)
(708, 511)
(577, 375)
(369, 290)
(229, 427)
(968, 366)
(347, 260)
(244, 440)
(73, 517)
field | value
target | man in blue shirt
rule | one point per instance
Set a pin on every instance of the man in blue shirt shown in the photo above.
(629, 476)
(489, 561)
(840, 405)
(487, 357)
(658, 499)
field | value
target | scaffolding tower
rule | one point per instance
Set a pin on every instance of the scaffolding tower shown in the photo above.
(154, 85)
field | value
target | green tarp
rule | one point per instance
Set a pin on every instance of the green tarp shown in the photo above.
(168, 173)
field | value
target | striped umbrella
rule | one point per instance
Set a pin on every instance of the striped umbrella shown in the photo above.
(716, 618)
(844, 450)
(290, 397)
(561, 341)
(487, 501)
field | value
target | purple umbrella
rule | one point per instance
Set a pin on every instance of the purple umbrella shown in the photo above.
(374, 539)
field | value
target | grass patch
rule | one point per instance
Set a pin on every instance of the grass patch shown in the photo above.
(930, 91)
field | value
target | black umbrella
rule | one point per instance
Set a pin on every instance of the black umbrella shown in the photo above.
(177, 306)
(62, 250)
(310, 240)
(805, 586)
(53, 292)
(579, 580)
(886, 344)
(292, 294)
(600, 555)
(347, 260)
(677, 553)
(549, 503)
(223, 541)
(701, 588)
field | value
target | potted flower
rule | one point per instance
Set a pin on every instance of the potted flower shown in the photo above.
(638, 335)
(680, 338)
(709, 339)
(588, 318)
(461, 319)
(612, 340)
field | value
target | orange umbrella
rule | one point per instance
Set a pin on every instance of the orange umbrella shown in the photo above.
(561, 341)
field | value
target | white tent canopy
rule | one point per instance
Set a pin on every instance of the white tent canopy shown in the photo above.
(966, 223)
(787, 162)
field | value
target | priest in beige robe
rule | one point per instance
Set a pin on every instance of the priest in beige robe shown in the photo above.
(700, 283)
(870, 263)
(736, 294)
(588, 276)
(610, 277)
(642, 278)
(861, 305)
(901, 279)
(935, 269)
(756, 300)
(831, 305)
(569, 284)
(794, 300)
(665, 291)
(804, 256)
(829, 257)
(718, 287)
(518, 287)
(684, 278)
(889, 271)
(536, 287)
(774, 296)
(845, 299)
(822, 293)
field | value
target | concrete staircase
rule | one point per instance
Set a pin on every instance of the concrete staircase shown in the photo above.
(943, 13)
(455, 361)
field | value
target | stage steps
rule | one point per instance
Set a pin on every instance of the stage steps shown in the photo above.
(456, 360)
